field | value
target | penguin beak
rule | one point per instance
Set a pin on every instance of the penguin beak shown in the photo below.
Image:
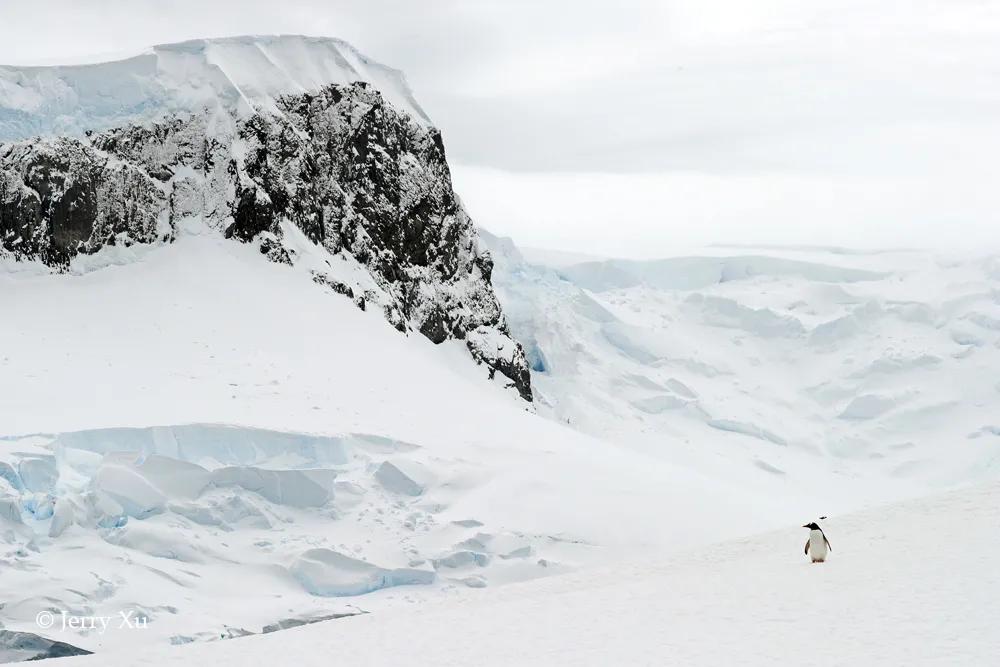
(805, 525)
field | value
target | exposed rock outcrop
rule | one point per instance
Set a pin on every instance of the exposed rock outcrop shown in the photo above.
(60, 197)
(342, 166)
(26, 646)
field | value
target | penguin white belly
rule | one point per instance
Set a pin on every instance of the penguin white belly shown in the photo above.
(817, 546)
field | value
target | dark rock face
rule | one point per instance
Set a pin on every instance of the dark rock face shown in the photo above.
(60, 197)
(287, 623)
(23, 646)
(341, 165)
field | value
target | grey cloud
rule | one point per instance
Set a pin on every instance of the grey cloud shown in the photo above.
(836, 92)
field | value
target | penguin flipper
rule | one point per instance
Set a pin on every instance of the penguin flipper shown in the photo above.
(827, 542)
(806, 552)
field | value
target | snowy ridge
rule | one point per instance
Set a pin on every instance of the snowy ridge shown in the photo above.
(235, 75)
(907, 584)
(696, 272)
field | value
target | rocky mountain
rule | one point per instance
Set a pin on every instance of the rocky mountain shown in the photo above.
(340, 170)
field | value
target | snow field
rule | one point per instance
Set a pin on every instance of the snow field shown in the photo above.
(907, 584)
(360, 460)
(837, 374)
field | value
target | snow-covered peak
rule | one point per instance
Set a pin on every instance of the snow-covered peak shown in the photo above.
(232, 74)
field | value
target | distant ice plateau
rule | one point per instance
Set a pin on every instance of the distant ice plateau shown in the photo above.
(235, 75)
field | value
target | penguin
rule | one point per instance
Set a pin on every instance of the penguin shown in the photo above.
(817, 545)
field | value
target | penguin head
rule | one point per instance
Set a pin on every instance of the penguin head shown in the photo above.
(811, 526)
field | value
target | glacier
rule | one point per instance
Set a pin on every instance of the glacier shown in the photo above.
(798, 362)
(228, 76)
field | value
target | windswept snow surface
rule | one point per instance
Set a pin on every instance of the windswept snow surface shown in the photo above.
(850, 377)
(238, 75)
(217, 443)
(907, 584)
(222, 444)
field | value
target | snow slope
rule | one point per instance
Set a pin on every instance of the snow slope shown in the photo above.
(356, 459)
(908, 584)
(852, 377)
(305, 452)
(236, 74)
(236, 447)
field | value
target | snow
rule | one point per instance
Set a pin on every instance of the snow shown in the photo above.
(404, 477)
(63, 516)
(685, 273)
(296, 488)
(867, 406)
(328, 573)
(907, 584)
(237, 448)
(129, 490)
(839, 369)
(222, 426)
(37, 474)
(235, 75)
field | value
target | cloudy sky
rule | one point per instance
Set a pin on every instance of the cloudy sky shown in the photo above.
(643, 128)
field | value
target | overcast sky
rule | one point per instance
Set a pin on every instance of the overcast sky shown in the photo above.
(635, 128)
